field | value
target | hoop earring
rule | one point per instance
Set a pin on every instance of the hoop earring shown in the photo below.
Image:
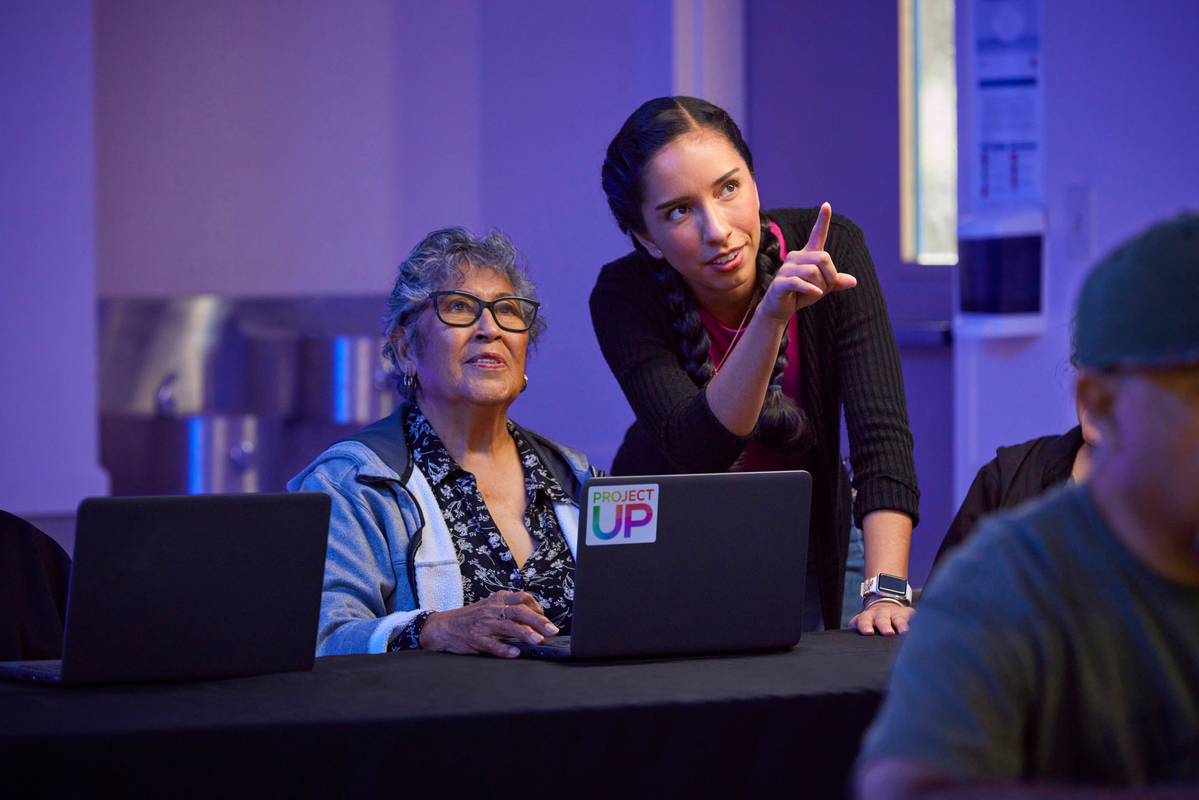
(526, 384)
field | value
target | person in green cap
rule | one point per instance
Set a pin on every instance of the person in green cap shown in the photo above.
(1058, 651)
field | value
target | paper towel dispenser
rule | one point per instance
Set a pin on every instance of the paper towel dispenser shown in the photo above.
(1000, 279)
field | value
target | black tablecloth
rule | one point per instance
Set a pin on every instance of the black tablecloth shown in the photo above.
(442, 725)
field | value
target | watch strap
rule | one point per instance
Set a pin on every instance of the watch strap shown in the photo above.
(871, 586)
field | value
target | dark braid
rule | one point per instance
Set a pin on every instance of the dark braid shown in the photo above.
(782, 425)
(693, 336)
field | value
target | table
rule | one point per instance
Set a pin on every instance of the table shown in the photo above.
(440, 725)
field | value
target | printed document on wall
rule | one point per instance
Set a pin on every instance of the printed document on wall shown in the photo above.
(1008, 104)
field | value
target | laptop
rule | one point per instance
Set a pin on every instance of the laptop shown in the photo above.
(679, 564)
(190, 588)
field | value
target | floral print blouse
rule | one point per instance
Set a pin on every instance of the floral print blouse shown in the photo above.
(486, 562)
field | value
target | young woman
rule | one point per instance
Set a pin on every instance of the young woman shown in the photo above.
(738, 336)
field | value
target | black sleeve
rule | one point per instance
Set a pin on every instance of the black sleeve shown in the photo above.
(870, 381)
(984, 497)
(33, 593)
(641, 347)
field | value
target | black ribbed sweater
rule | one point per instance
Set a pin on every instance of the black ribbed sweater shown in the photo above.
(847, 355)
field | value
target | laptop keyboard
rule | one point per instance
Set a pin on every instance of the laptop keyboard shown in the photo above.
(48, 671)
(554, 642)
(44, 667)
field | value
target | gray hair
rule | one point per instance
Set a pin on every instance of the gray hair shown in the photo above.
(439, 258)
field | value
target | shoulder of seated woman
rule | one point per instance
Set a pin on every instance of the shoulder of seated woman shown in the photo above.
(353, 460)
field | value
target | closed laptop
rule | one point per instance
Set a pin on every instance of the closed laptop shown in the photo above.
(679, 564)
(191, 588)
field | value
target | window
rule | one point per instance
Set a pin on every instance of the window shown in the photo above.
(928, 132)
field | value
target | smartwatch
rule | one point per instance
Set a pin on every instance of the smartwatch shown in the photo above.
(890, 586)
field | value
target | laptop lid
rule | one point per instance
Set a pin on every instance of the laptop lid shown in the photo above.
(194, 587)
(674, 564)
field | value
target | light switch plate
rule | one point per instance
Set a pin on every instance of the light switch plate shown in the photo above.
(1080, 202)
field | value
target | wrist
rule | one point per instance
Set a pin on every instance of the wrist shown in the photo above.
(429, 637)
(407, 637)
(874, 598)
(884, 585)
(774, 317)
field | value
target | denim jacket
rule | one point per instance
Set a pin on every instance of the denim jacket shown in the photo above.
(390, 555)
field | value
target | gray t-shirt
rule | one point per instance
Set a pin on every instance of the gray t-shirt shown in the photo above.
(1046, 651)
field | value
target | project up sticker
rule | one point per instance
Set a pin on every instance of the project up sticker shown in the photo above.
(622, 514)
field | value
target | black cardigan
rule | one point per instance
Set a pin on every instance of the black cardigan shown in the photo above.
(847, 354)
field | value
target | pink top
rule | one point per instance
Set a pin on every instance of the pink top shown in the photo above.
(758, 458)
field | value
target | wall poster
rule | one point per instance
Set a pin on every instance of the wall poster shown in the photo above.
(1008, 104)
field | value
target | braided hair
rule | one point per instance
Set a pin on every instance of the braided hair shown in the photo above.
(782, 425)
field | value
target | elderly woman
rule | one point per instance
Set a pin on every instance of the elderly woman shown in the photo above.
(452, 527)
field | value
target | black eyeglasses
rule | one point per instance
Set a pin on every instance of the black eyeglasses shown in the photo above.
(460, 310)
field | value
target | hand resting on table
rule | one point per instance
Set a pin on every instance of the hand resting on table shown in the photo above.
(481, 626)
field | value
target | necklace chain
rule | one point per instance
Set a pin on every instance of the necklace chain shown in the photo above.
(737, 335)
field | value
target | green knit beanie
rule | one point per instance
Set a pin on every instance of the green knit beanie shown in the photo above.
(1140, 305)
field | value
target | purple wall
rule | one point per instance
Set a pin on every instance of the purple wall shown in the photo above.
(48, 440)
(253, 149)
(550, 105)
(439, 148)
(248, 148)
(824, 125)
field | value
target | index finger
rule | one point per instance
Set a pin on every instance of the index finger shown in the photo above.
(535, 621)
(521, 599)
(820, 229)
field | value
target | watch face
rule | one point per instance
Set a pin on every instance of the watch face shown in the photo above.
(891, 584)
